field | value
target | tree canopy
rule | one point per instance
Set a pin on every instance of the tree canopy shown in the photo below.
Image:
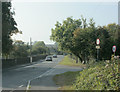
(20, 49)
(79, 38)
(63, 33)
(39, 48)
(8, 27)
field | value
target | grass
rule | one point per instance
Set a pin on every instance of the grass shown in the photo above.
(101, 75)
(65, 80)
(70, 62)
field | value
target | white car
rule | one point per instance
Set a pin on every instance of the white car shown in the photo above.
(54, 56)
(48, 58)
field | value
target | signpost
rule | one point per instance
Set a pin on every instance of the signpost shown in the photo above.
(98, 47)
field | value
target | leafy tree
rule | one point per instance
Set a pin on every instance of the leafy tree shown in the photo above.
(20, 49)
(84, 40)
(79, 38)
(81, 43)
(65, 36)
(63, 33)
(118, 41)
(8, 27)
(105, 43)
(114, 31)
(39, 48)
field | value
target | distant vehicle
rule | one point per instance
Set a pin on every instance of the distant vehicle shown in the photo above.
(48, 58)
(64, 54)
(54, 56)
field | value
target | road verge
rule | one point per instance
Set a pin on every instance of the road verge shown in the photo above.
(101, 75)
(71, 62)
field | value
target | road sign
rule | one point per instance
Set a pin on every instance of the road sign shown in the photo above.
(97, 47)
(98, 41)
(114, 48)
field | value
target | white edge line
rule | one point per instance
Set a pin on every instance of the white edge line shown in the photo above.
(20, 86)
(28, 85)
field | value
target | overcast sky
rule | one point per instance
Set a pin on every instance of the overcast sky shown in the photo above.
(35, 19)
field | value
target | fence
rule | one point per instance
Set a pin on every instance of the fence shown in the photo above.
(7, 63)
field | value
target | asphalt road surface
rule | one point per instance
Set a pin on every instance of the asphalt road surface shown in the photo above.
(37, 76)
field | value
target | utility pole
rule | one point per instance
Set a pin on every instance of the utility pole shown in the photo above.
(30, 50)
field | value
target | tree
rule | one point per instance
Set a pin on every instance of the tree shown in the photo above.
(85, 42)
(39, 48)
(8, 27)
(118, 41)
(79, 38)
(82, 43)
(114, 32)
(20, 49)
(105, 43)
(63, 33)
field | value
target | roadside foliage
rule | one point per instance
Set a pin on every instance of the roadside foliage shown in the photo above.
(8, 27)
(78, 37)
(102, 75)
(99, 76)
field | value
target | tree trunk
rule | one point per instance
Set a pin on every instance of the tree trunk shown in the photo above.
(77, 55)
(80, 58)
(84, 61)
(76, 59)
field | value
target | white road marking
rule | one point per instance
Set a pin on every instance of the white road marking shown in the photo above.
(46, 73)
(20, 86)
(28, 86)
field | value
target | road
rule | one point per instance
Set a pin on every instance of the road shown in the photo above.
(36, 76)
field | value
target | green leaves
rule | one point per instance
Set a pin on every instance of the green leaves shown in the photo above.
(20, 49)
(63, 33)
(97, 77)
(79, 38)
(8, 27)
(39, 48)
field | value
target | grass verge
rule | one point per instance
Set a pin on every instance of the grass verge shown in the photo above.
(99, 76)
(66, 80)
(71, 62)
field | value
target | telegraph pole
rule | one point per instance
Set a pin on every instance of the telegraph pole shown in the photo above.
(30, 50)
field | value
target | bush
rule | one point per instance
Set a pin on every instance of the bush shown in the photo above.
(100, 76)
